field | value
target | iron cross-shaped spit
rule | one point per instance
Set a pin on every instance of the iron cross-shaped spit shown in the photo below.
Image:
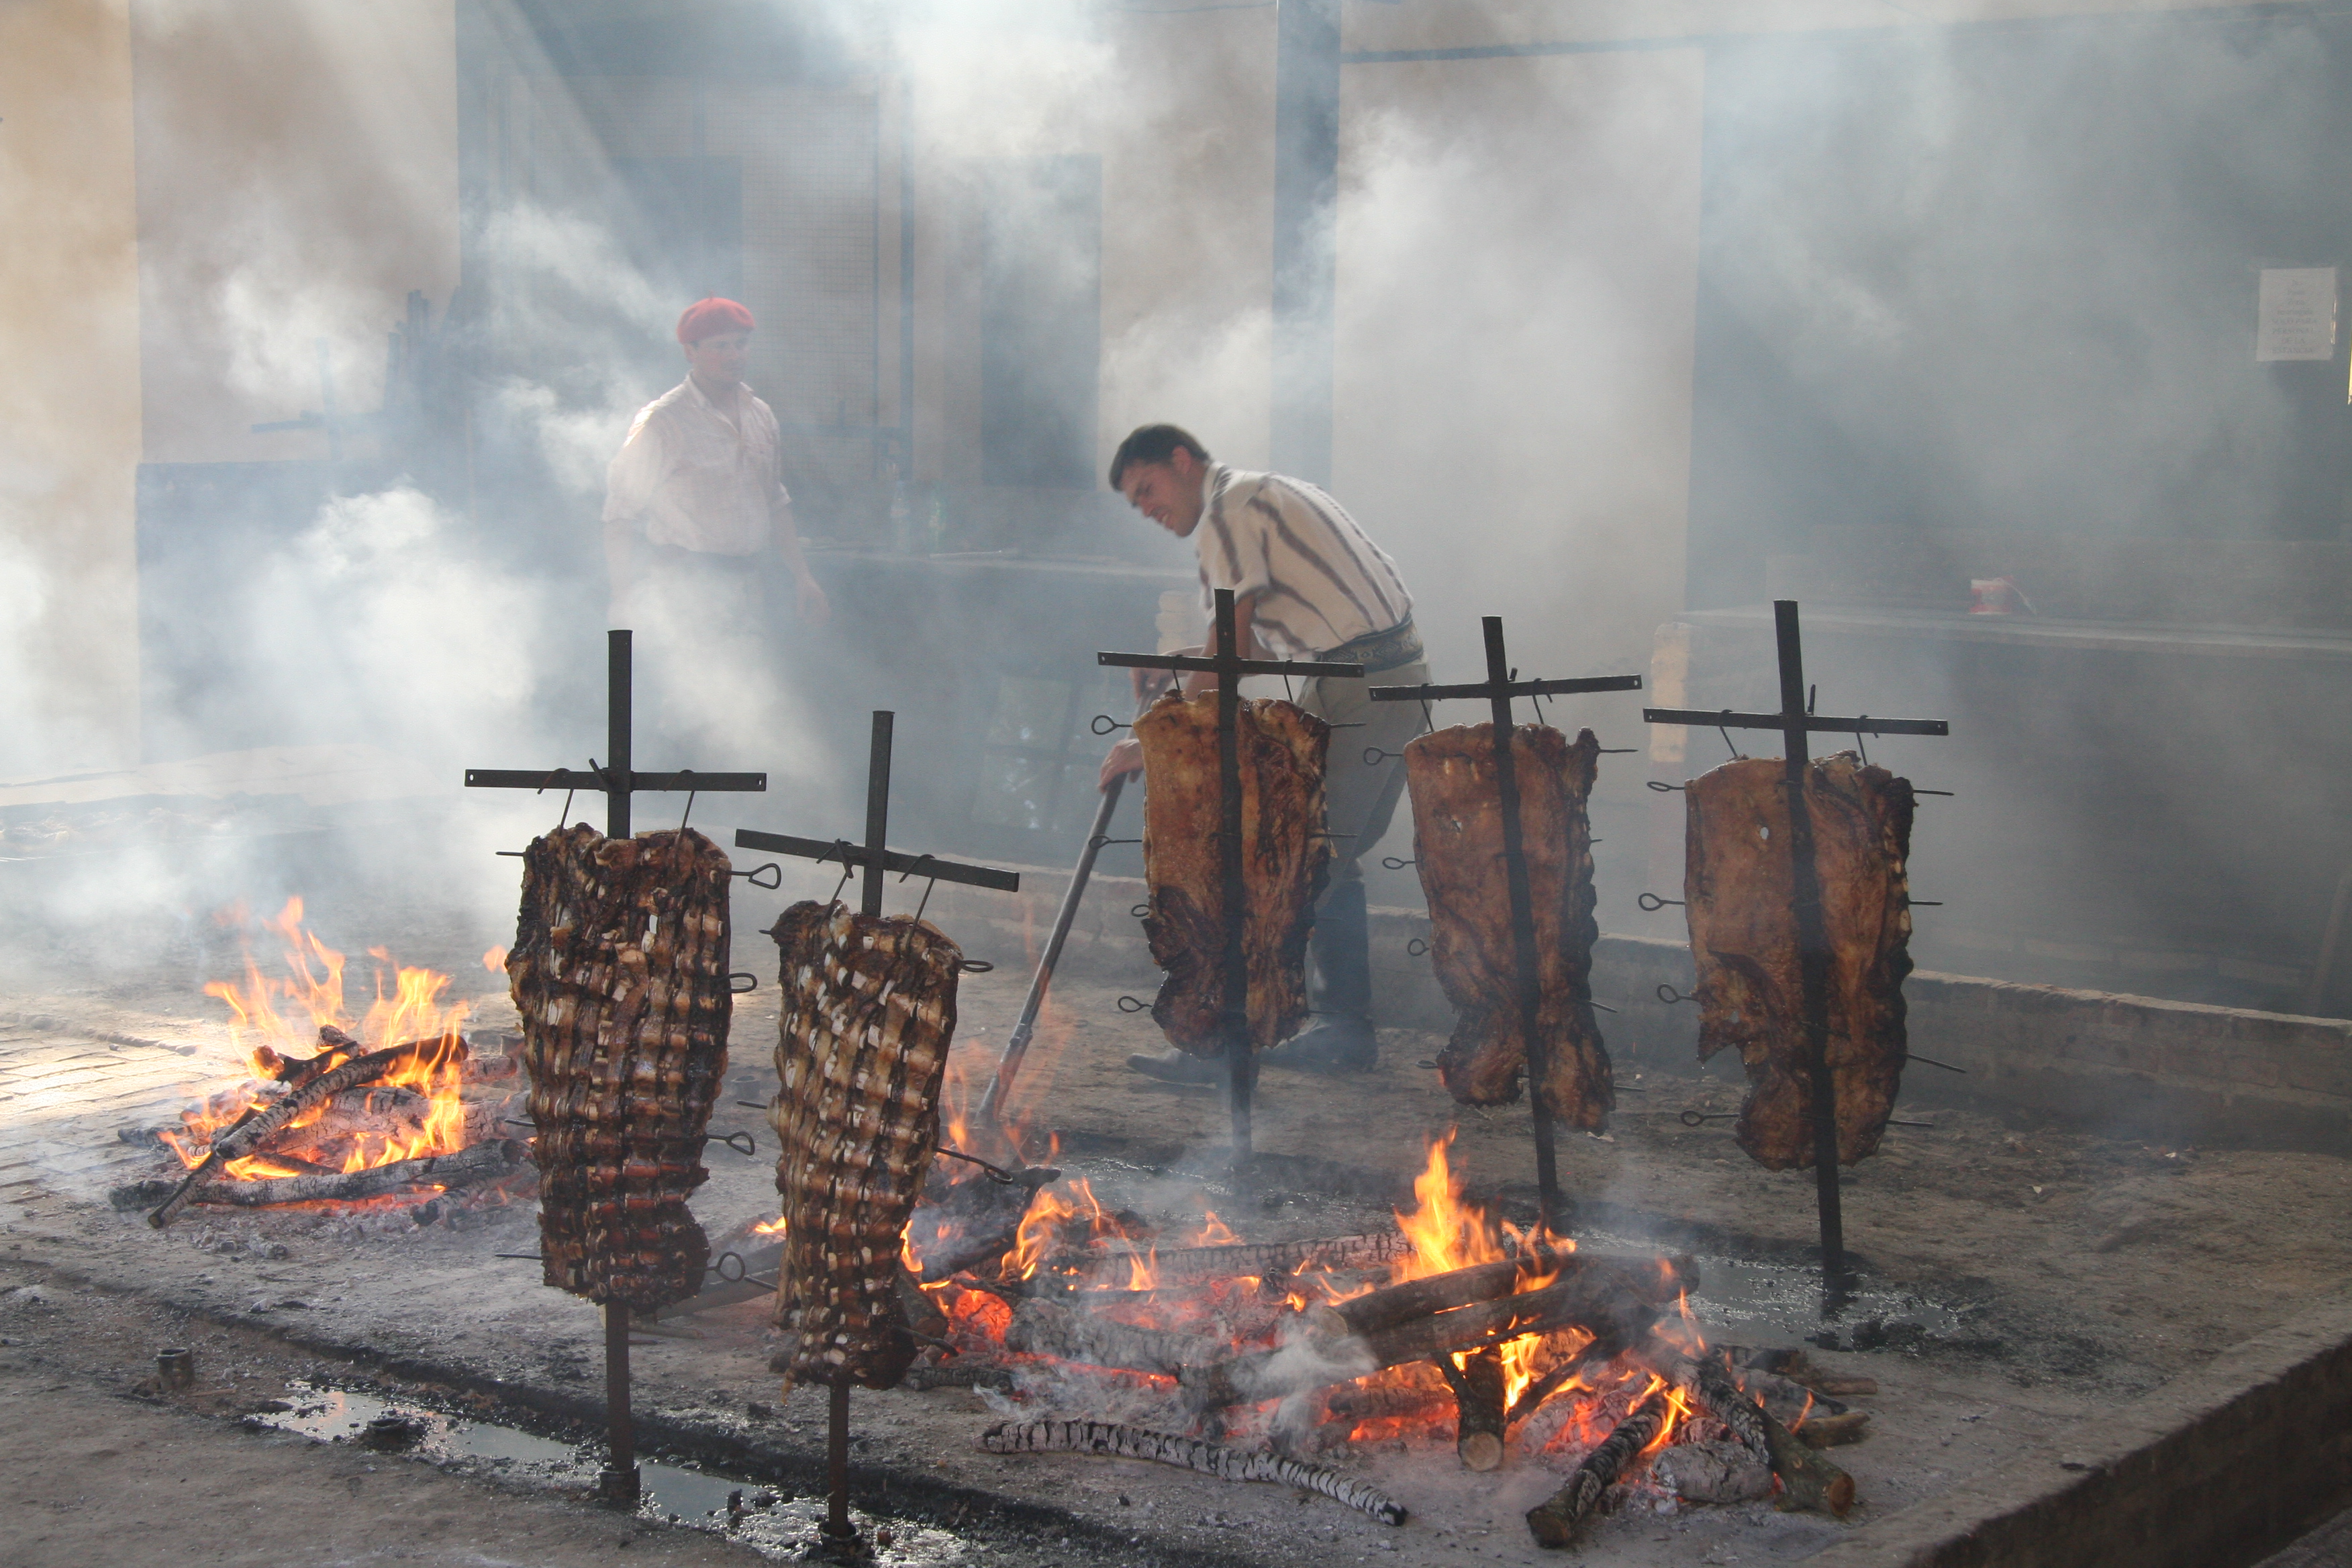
(1498, 690)
(1795, 723)
(874, 858)
(1228, 665)
(618, 1481)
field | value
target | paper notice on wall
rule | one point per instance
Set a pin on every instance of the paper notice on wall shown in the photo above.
(2296, 314)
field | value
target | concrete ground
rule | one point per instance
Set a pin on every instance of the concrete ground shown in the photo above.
(2023, 1277)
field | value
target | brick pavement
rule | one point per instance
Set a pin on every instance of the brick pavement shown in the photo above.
(67, 1091)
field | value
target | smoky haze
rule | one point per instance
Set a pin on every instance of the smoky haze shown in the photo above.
(1851, 316)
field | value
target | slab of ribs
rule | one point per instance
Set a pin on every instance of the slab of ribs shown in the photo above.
(1284, 860)
(1457, 827)
(1738, 894)
(619, 971)
(870, 1009)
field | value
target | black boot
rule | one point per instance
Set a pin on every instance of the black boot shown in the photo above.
(1340, 1040)
(1172, 1066)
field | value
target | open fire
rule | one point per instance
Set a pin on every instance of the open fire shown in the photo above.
(393, 1103)
(1454, 1327)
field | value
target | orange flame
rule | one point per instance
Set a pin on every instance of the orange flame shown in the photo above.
(1448, 1233)
(263, 1010)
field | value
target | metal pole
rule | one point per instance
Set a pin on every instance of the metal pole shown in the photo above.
(1813, 940)
(1241, 1061)
(1523, 928)
(619, 721)
(1017, 1047)
(618, 1481)
(837, 1462)
(877, 810)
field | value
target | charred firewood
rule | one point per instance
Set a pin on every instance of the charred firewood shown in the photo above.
(869, 1008)
(1531, 1399)
(1807, 1481)
(1355, 1402)
(619, 971)
(1190, 1454)
(1478, 1425)
(485, 1162)
(972, 1223)
(1043, 1327)
(1395, 1304)
(1600, 1299)
(1555, 1522)
(248, 1132)
(1261, 1258)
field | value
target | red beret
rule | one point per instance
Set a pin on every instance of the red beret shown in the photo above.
(708, 318)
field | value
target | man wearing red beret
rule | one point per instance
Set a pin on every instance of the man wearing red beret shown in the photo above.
(697, 498)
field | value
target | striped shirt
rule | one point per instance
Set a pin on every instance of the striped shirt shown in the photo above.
(1316, 580)
(699, 480)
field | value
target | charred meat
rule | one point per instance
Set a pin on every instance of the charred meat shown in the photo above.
(1739, 897)
(1284, 858)
(1457, 826)
(869, 1007)
(619, 971)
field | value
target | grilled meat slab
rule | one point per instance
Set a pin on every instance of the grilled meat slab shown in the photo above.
(869, 1008)
(1457, 829)
(619, 971)
(1738, 894)
(1284, 860)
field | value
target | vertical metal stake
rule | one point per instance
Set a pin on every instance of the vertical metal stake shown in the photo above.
(1241, 1061)
(1523, 930)
(877, 810)
(837, 1462)
(619, 721)
(1812, 943)
(618, 1480)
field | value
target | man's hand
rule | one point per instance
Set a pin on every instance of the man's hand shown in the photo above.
(808, 598)
(1127, 757)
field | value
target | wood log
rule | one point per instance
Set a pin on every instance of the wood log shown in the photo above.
(1395, 1304)
(1354, 1403)
(1046, 1328)
(1188, 1453)
(248, 1132)
(1599, 1297)
(1531, 1399)
(1833, 1431)
(1555, 1522)
(1477, 1385)
(1807, 1480)
(1259, 1258)
(481, 1162)
(1705, 1381)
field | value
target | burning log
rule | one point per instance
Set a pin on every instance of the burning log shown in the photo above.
(1190, 1454)
(1807, 1481)
(1267, 1257)
(973, 1222)
(1043, 1327)
(1479, 1424)
(1599, 1297)
(1709, 1388)
(1354, 1402)
(1398, 1304)
(1532, 1396)
(480, 1163)
(246, 1135)
(1555, 1522)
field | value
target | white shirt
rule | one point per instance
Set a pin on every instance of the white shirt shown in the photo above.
(1316, 580)
(697, 479)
